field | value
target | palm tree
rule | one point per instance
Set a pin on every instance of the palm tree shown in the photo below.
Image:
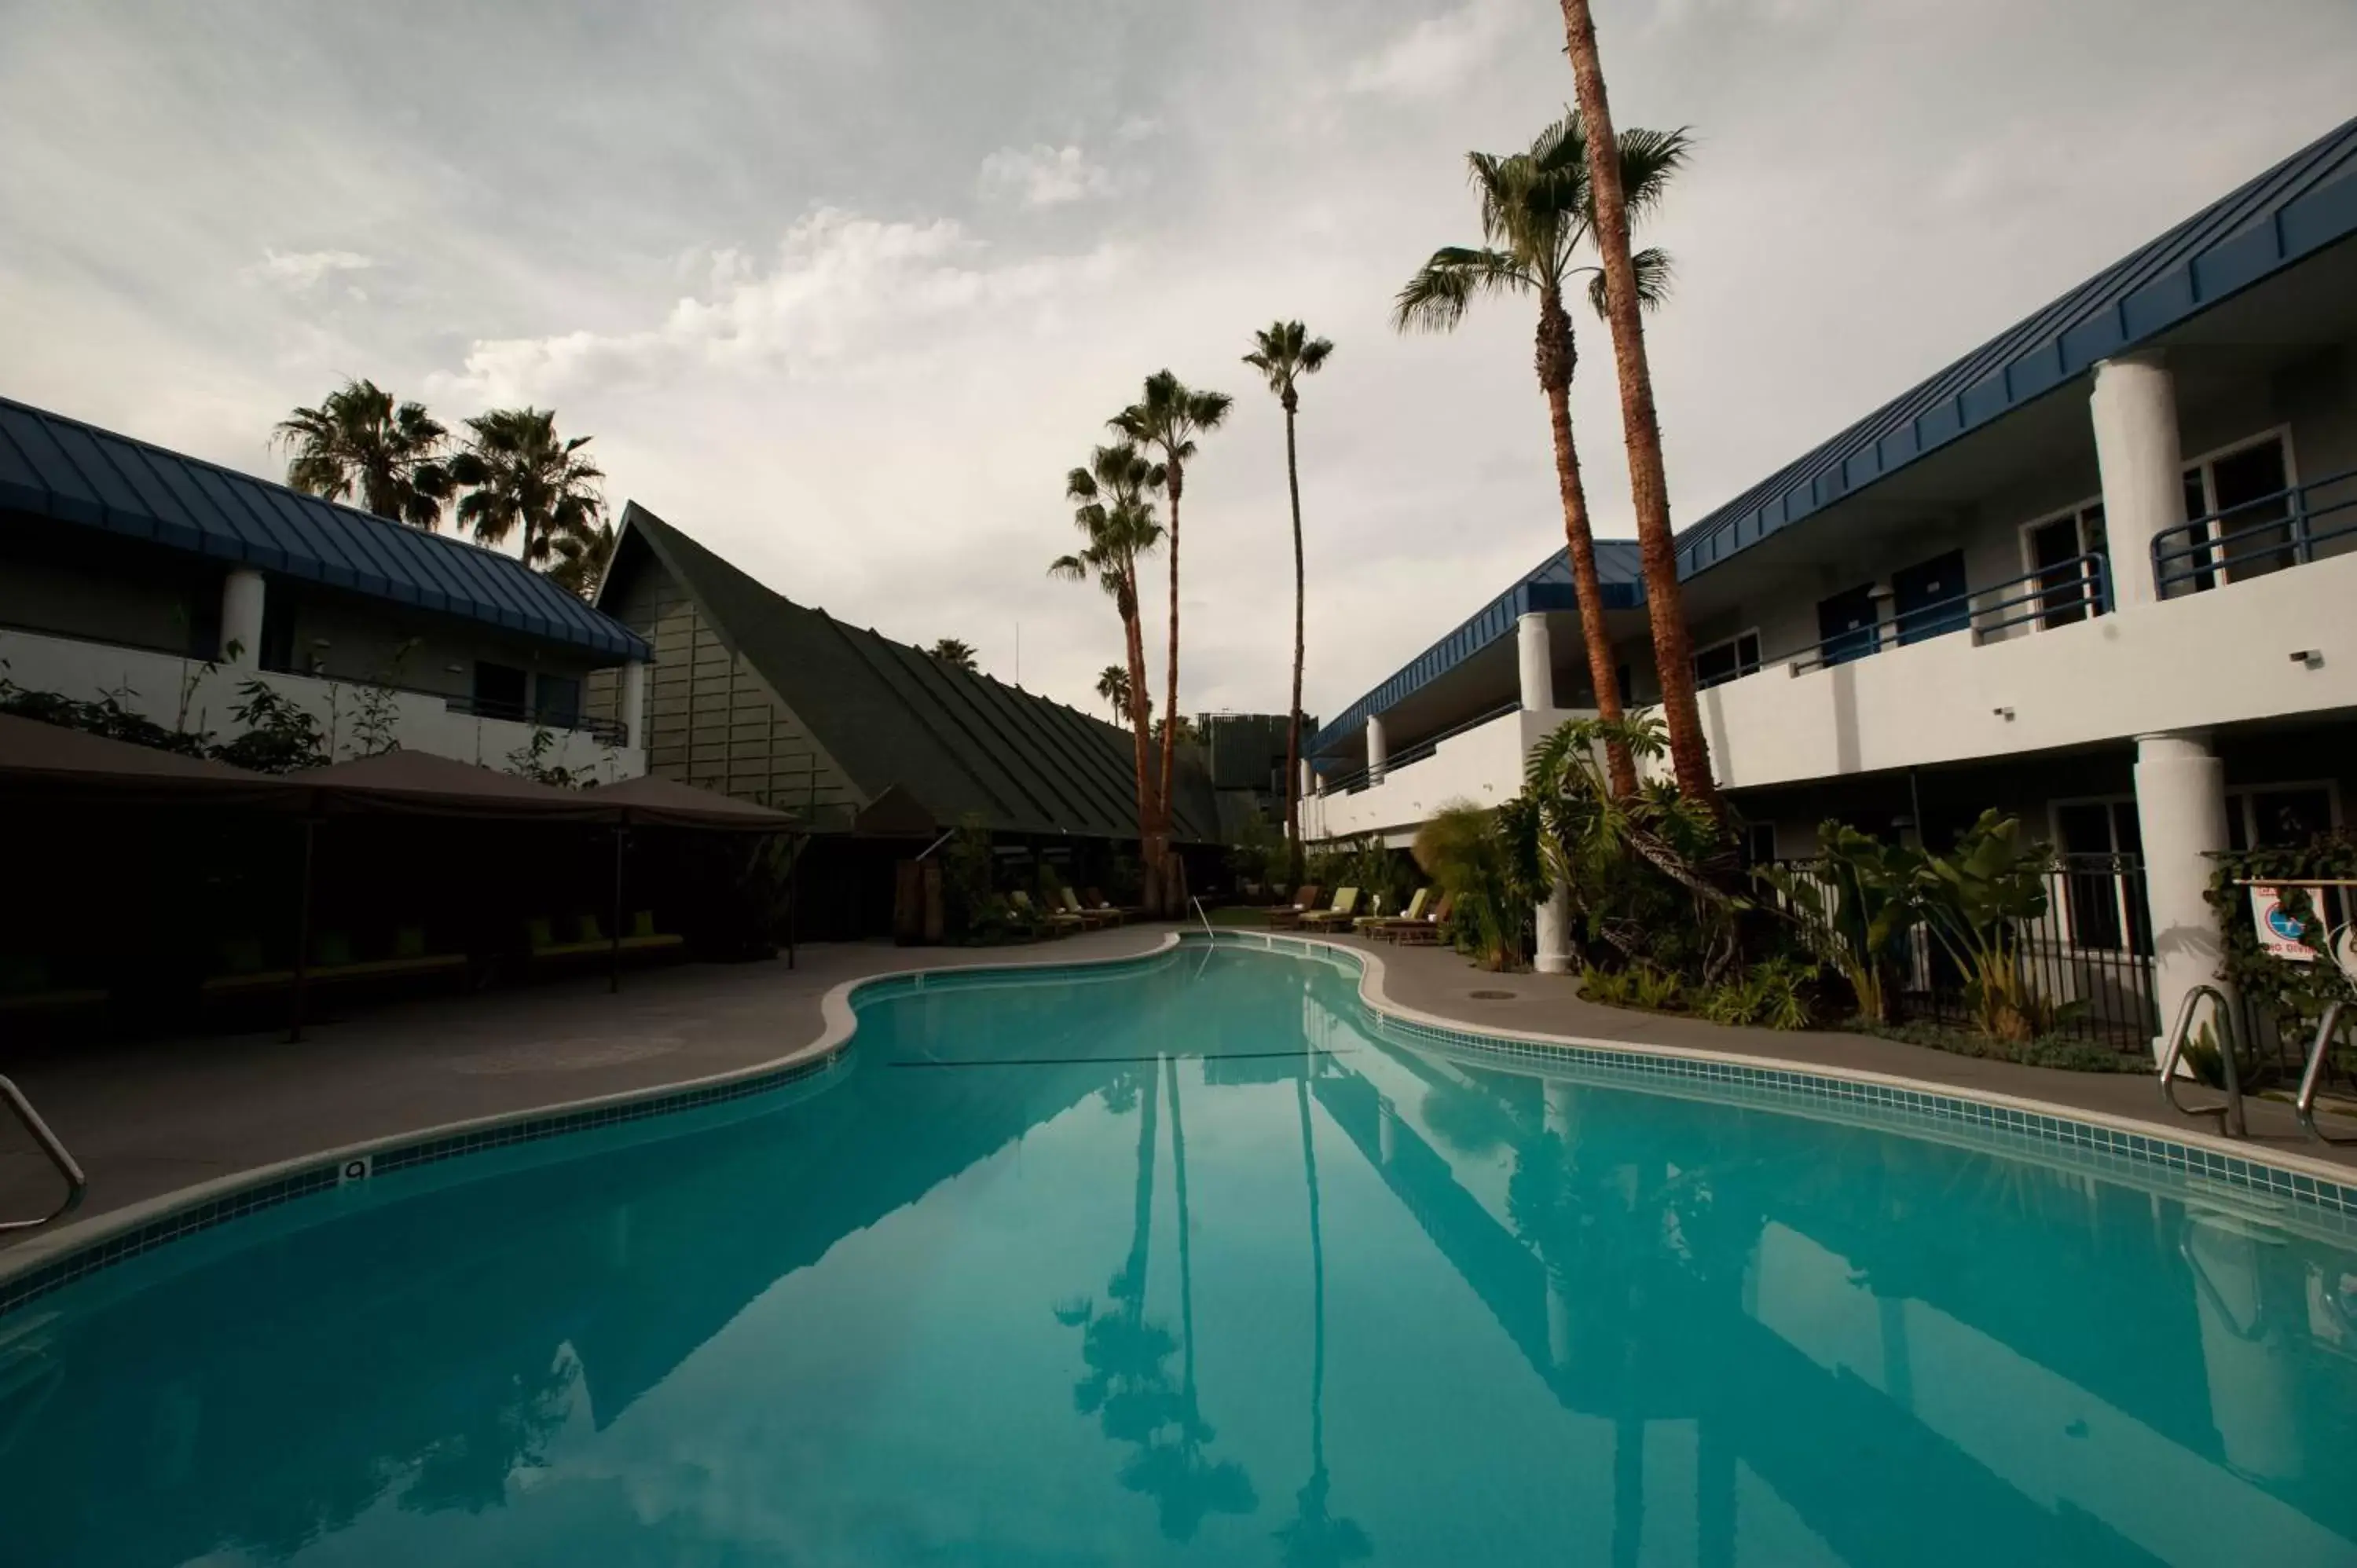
(1534, 217)
(1617, 198)
(1285, 353)
(358, 442)
(520, 473)
(582, 559)
(1113, 685)
(1112, 513)
(1166, 420)
(957, 655)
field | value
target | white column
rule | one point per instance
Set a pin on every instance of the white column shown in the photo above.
(1375, 753)
(634, 704)
(240, 617)
(1308, 784)
(1537, 653)
(1554, 932)
(2135, 409)
(2181, 808)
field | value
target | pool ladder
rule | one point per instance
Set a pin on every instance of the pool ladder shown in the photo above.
(2229, 1110)
(76, 1183)
(2319, 1051)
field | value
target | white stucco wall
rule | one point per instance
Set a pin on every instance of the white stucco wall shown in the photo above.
(180, 693)
(2209, 659)
(1483, 765)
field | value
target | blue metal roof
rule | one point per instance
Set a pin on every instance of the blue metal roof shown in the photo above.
(61, 468)
(1546, 586)
(2295, 208)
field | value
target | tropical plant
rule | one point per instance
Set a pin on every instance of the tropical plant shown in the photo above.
(520, 474)
(1615, 200)
(1164, 422)
(955, 653)
(1283, 354)
(530, 760)
(1116, 516)
(1976, 900)
(1769, 994)
(360, 442)
(581, 558)
(1487, 861)
(1536, 213)
(1113, 686)
(1854, 906)
(279, 734)
(1650, 874)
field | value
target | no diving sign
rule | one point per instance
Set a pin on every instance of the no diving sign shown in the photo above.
(2280, 930)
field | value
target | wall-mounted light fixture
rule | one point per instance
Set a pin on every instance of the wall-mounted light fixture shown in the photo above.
(2005, 714)
(2313, 657)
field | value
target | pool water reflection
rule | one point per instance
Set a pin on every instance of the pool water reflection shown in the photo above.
(1188, 1262)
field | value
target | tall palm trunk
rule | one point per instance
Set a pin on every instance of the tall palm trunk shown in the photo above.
(1648, 485)
(1186, 1250)
(1293, 725)
(1554, 357)
(1171, 894)
(1149, 812)
(1141, 1228)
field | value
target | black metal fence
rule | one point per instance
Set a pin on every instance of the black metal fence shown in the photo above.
(2088, 959)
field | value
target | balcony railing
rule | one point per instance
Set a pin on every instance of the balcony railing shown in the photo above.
(2054, 594)
(1351, 783)
(605, 732)
(2254, 537)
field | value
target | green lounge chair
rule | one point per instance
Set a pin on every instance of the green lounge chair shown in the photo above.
(1346, 905)
(1285, 917)
(1367, 925)
(1094, 918)
(1055, 921)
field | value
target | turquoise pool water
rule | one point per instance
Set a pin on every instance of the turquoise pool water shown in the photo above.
(1187, 1263)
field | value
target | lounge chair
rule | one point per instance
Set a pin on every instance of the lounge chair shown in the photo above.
(1056, 921)
(1424, 931)
(1369, 924)
(1092, 899)
(332, 964)
(588, 939)
(1339, 917)
(1285, 917)
(1094, 918)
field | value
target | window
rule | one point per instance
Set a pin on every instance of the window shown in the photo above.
(499, 690)
(2102, 878)
(1724, 662)
(277, 650)
(1624, 677)
(1758, 843)
(2068, 553)
(1846, 625)
(2237, 502)
(557, 701)
(2279, 816)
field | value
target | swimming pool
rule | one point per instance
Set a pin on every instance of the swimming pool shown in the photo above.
(1197, 1260)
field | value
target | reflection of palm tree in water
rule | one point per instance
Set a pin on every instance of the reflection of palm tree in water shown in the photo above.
(1313, 1536)
(1128, 1386)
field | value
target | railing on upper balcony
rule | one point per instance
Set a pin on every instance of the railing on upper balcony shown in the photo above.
(1353, 782)
(2054, 594)
(2254, 537)
(605, 732)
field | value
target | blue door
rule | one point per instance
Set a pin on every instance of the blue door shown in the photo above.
(1846, 628)
(1929, 597)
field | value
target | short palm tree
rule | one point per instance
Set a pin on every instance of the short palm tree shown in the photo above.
(957, 655)
(581, 560)
(1114, 512)
(1535, 215)
(1164, 421)
(1113, 685)
(521, 473)
(1283, 353)
(1618, 199)
(359, 442)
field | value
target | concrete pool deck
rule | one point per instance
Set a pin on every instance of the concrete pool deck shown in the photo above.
(152, 1117)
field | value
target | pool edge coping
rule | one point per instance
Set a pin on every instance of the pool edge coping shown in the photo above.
(96, 1242)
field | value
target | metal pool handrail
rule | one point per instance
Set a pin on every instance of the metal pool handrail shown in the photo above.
(2313, 1076)
(2229, 1111)
(76, 1183)
(1201, 916)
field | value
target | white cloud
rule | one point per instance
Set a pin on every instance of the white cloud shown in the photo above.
(1437, 55)
(845, 292)
(304, 269)
(1042, 176)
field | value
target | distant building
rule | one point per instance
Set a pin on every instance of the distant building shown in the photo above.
(127, 570)
(880, 746)
(1245, 754)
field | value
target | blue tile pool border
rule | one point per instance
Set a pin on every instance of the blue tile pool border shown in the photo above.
(1892, 1105)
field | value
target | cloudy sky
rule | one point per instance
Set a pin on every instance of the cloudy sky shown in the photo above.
(842, 287)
